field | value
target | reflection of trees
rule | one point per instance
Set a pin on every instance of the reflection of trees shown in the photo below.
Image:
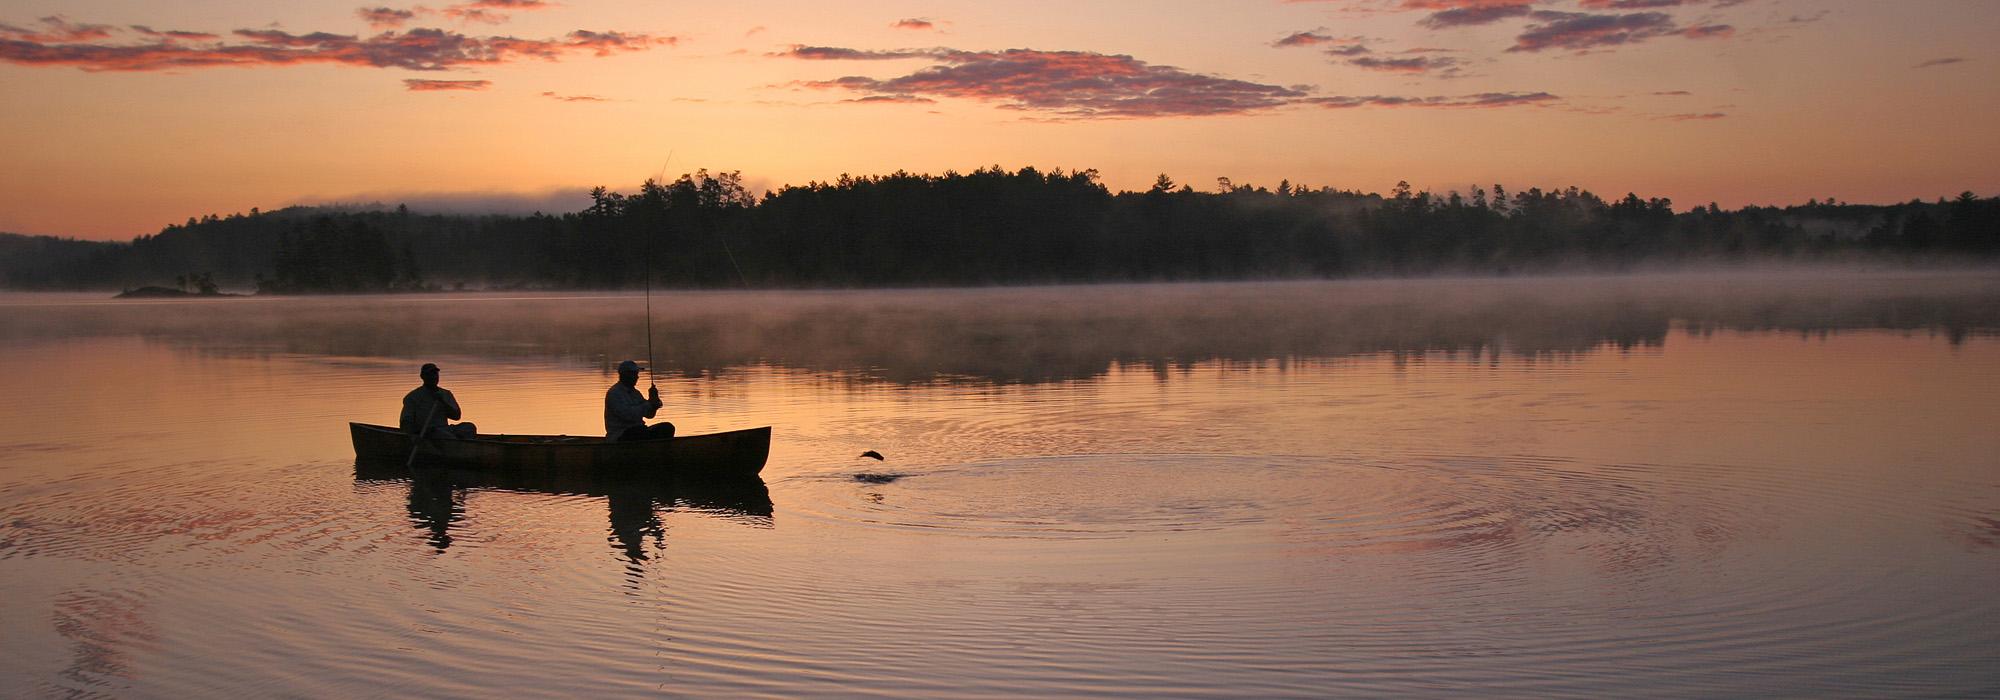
(635, 501)
(1054, 333)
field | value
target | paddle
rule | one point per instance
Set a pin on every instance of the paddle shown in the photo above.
(426, 430)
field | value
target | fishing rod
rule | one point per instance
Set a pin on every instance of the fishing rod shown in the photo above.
(652, 380)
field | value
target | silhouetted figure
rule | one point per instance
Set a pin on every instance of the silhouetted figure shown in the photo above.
(877, 456)
(433, 406)
(625, 411)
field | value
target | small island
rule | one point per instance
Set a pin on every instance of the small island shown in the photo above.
(203, 286)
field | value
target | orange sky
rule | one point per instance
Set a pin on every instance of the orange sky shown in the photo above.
(123, 116)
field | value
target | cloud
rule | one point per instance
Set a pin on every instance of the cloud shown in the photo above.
(892, 99)
(1472, 16)
(384, 17)
(174, 35)
(1708, 31)
(1484, 100)
(1414, 64)
(56, 28)
(834, 53)
(475, 14)
(1440, 5)
(1939, 62)
(1672, 93)
(1346, 46)
(917, 23)
(416, 49)
(491, 11)
(1691, 117)
(574, 98)
(1073, 84)
(1629, 4)
(417, 85)
(1579, 31)
(1311, 38)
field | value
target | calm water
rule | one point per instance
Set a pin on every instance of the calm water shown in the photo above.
(1660, 486)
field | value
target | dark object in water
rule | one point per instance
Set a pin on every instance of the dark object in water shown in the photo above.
(876, 478)
(736, 453)
(166, 293)
(872, 453)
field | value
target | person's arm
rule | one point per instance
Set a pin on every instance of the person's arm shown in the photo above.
(653, 403)
(450, 404)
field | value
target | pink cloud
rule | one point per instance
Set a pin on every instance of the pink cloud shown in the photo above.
(1484, 100)
(1579, 31)
(56, 28)
(416, 49)
(1693, 117)
(1073, 84)
(1414, 64)
(384, 17)
(1473, 16)
(892, 99)
(917, 23)
(173, 35)
(416, 85)
(1312, 38)
(574, 98)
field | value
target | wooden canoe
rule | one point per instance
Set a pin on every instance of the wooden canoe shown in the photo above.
(738, 453)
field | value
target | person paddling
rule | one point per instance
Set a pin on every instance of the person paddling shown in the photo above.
(436, 405)
(625, 411)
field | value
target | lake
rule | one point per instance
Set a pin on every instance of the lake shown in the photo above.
(1722, 484)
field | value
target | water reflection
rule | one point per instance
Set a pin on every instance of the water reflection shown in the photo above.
(1052, 334)
(635, 502)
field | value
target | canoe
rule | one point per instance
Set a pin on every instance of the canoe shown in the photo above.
(738, 453)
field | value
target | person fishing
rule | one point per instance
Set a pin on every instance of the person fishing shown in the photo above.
(431, 406)
(625, 411)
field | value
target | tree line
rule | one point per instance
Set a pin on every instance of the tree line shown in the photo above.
(992, 226)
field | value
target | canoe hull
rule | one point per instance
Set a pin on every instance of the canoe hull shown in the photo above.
(738, 453)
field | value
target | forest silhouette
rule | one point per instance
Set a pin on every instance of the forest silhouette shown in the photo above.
(990, 226)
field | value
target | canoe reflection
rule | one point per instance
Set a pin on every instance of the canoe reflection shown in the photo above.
(437, 498)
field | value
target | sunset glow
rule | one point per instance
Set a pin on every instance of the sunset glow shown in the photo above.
(126, 116)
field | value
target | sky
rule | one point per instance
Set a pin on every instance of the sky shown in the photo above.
(122, 116)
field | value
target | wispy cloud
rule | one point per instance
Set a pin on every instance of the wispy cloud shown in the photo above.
(385, 17)
(416, 49)
(1694, 117)
(835, 53)
(419, 85)
(1939, 62)
(1580, 31)
(916, 23)
(1413, 64)
(1672, 93)
(1629, 4)
(574, 98)
(892, 99)
(1072, 84)
(173, 34)
(1484, 100)
(1309, 38)
(1473, 16)
(56, 28)
(491, 11)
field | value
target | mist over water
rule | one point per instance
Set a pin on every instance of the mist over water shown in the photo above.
(1673, 485)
